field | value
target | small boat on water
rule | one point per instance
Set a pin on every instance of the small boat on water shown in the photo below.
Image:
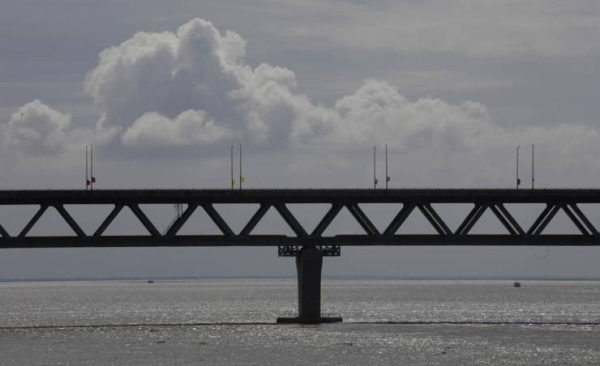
(517, 284)
(150, 281)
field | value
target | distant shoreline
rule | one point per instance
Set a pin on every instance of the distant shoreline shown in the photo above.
(206, 278)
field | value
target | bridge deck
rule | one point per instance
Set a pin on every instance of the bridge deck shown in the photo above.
(284, 241)
(158, 196)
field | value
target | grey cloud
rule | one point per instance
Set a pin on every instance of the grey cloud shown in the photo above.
(477, 28)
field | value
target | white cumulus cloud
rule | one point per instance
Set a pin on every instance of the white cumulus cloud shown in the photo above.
(192, 87)
(188, 128)
(195, 69)
(37, 129)
(377, 112)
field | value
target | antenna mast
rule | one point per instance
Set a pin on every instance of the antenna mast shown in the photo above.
(518, 180)
(241, 176)
(232, 180)
(92, 179)
(387, 177)
(532, 166)
(87, 180)
(375, 167)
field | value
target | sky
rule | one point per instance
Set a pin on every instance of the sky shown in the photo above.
(163, 89)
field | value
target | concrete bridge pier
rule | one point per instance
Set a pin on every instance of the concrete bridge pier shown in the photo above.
(309, 262)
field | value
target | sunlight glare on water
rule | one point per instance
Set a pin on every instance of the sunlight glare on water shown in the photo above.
(232, 322)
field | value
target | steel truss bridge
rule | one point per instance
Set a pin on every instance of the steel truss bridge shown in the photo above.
(409, 201)
(308, 247)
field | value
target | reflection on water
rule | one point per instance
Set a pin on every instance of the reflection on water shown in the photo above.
(257, 301)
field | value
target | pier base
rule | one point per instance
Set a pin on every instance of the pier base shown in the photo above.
(309, 262)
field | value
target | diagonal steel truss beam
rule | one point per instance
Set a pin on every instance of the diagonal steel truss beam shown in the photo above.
(4, 233)
(511, 220)
(255, 219)
(471, 219)
(178, 224)
(539, 219)
(109, 219)
(584, 219)
(33, 220)
(544, 219)
(326, 220)
(291, 220)
(504, 220)
(218, 220)
(137, 211)
(434, 219)
(362, 219)
(399, 220)
(575, 220)
(67, 217)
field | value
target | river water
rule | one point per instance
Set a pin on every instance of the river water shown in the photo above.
(232, 322)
